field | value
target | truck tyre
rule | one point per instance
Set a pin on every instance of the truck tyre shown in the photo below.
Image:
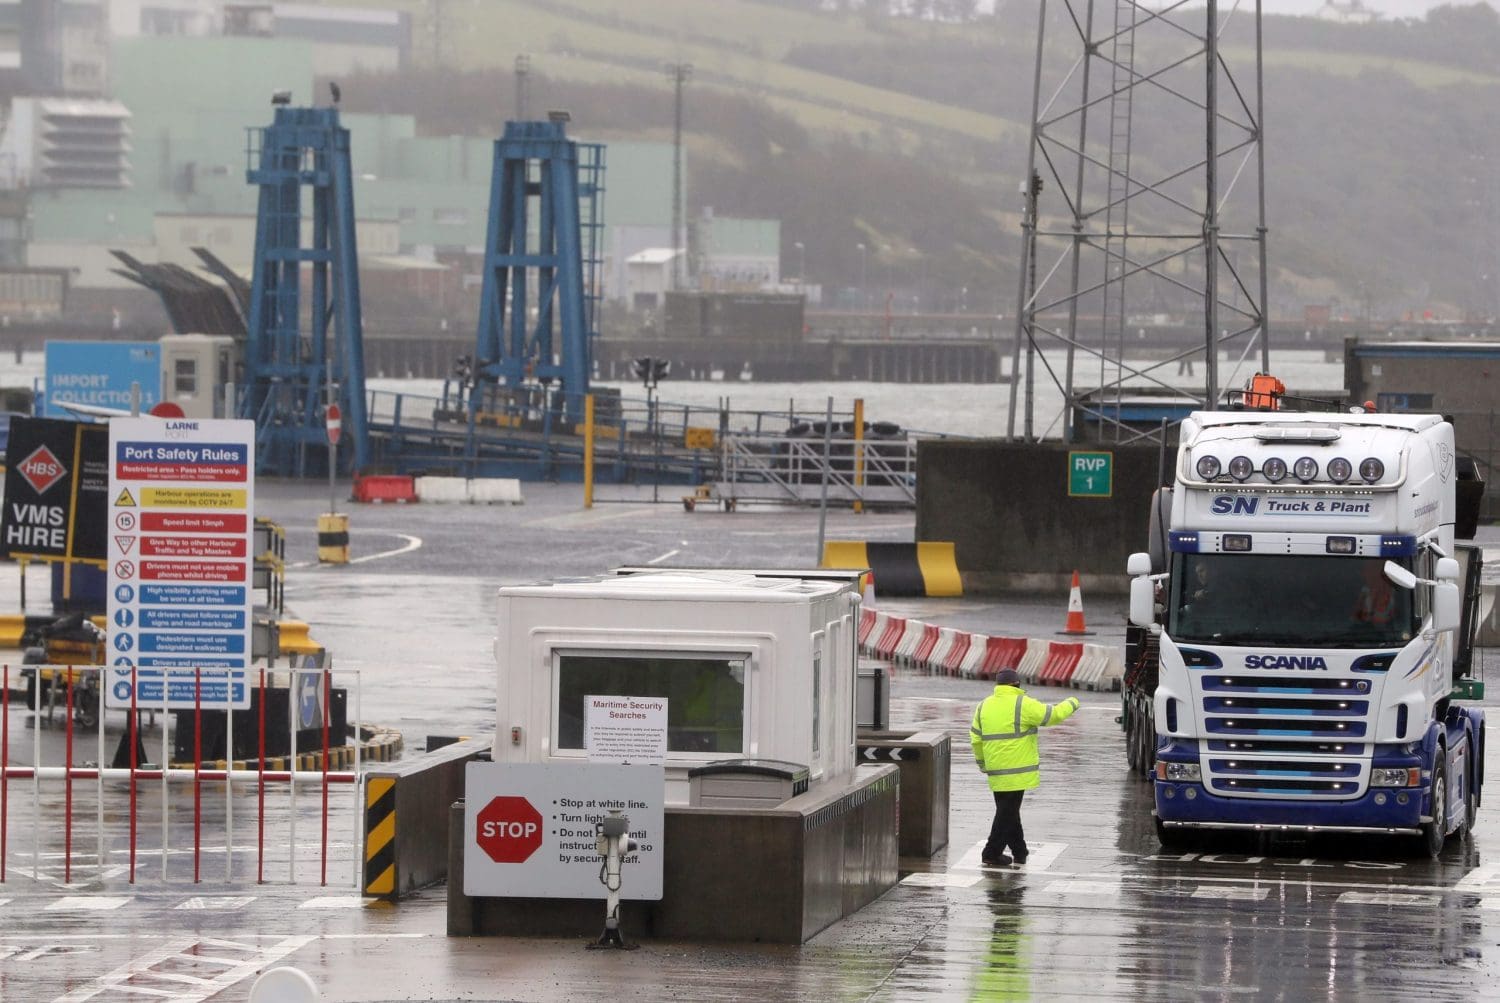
(1434, 833)
(1132, 747)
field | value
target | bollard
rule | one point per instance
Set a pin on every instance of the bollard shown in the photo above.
(333, 538)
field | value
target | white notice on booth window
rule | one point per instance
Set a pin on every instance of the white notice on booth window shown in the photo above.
(625, 729)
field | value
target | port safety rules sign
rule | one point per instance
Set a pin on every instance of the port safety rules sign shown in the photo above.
(181, 561)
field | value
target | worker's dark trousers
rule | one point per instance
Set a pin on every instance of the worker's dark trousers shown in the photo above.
(1005, 830)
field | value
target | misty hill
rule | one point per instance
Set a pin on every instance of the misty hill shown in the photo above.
(907, 134)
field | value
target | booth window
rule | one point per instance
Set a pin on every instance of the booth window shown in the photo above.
(185, 376)
(705, 695)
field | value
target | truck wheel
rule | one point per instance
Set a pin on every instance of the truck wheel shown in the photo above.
(1471, 809)
(1434, 833)
(1148, 749)
(1132, 746)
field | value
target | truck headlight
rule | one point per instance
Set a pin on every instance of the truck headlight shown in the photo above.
(1403, 776)
(1179, 771)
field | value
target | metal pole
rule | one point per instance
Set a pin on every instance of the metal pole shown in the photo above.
(679, 72)
(1211, 207)
(827, 465)
(1260, 230)
(523, 68)
(1024, 313)
(1083, 130)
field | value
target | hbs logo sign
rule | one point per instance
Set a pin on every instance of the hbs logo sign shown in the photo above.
(1230, 505)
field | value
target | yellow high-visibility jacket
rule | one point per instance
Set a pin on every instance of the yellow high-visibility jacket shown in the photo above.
(1003, 734)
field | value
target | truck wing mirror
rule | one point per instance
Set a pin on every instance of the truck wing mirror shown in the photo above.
(1142, 599)
(1400, 576)
(1139, 564)
(1445, 606)
(1447, 569)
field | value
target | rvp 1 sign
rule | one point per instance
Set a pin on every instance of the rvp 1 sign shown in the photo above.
(1090, 475)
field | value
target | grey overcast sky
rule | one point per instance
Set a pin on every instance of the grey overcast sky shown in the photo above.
(1390, 8)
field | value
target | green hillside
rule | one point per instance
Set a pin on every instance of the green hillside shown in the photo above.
(908, 135)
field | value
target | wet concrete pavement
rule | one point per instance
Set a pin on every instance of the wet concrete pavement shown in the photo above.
(1100, 912)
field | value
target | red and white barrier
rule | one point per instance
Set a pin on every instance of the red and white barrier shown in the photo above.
(948, 650)
(1030, 666)
(969, 666)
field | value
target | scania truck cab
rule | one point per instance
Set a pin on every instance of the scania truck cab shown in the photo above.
(1306, 609)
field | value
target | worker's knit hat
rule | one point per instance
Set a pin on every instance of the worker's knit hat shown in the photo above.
(1008, 677)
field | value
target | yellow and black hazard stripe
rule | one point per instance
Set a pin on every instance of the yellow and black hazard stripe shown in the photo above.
(380, 836)
(333, 538)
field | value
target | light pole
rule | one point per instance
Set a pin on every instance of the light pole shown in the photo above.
(801, 263)
(678, 73)
(864, 296)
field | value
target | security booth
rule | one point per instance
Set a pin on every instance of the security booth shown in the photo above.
(751, 667)
(761, 787)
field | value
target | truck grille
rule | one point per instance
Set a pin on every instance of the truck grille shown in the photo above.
(1285, 736)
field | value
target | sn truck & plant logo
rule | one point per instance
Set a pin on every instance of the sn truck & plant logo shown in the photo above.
(42, 469)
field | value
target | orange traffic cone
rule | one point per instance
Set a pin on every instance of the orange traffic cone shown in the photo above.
(868, 598)
(1075, 610)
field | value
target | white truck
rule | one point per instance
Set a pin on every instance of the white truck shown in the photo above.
(1300, 639)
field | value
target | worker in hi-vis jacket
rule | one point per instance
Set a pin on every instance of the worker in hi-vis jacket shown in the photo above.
(1003, 734)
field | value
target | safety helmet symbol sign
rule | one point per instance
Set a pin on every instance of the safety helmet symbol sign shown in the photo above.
(508, 830)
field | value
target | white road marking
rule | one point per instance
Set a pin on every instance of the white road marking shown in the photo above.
(86, 903)
(222, 963)
(412, 543)
(669, 554)
(1231, 892)
(1480, 879)
(588, 517)
(942, 880)
(1075, 886)
(338, 902)
(1386, 898)
(217, 902)
(3, 901)
(1040, 857)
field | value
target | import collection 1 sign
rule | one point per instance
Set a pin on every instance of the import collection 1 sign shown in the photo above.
(181, 561)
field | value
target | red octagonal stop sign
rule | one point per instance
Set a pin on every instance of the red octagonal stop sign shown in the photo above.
(508, 829)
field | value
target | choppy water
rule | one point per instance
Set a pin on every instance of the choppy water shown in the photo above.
(975, 409)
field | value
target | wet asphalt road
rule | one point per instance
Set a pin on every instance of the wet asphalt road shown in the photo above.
(1099, 913)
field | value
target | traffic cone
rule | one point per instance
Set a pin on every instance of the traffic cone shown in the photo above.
(867, 599)
(1075, 610)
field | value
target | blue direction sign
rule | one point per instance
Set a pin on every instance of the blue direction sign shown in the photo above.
(98, 374)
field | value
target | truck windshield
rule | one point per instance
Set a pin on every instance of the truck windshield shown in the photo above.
(1287, 601)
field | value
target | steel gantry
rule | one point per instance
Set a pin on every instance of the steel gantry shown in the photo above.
(538, 309)
(293, 368)
(1114, 199)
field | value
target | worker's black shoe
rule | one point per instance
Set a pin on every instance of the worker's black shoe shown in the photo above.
(1021, 861)
(1000, 861)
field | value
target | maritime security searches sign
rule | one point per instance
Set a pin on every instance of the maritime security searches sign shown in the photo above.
(181, 564)
(529, 828)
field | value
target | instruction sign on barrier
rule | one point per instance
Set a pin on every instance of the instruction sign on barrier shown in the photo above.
(529, 828)
(181, 561)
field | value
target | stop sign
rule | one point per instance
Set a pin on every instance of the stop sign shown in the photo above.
(508, 830)
(334, 419)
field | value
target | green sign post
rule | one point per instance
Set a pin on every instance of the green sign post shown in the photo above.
(1091, 475)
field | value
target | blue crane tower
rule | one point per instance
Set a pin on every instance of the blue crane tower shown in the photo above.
(292, 372)
(538, 309)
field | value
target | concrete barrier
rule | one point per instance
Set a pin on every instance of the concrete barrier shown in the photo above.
(469, 491)
(1002, 653)
(974, 657)
(925, 568)
(924, 759)
(910, 638)
(1031, 663)
(775, 874)
(406, 819)
(384, 488)
(926, 643)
